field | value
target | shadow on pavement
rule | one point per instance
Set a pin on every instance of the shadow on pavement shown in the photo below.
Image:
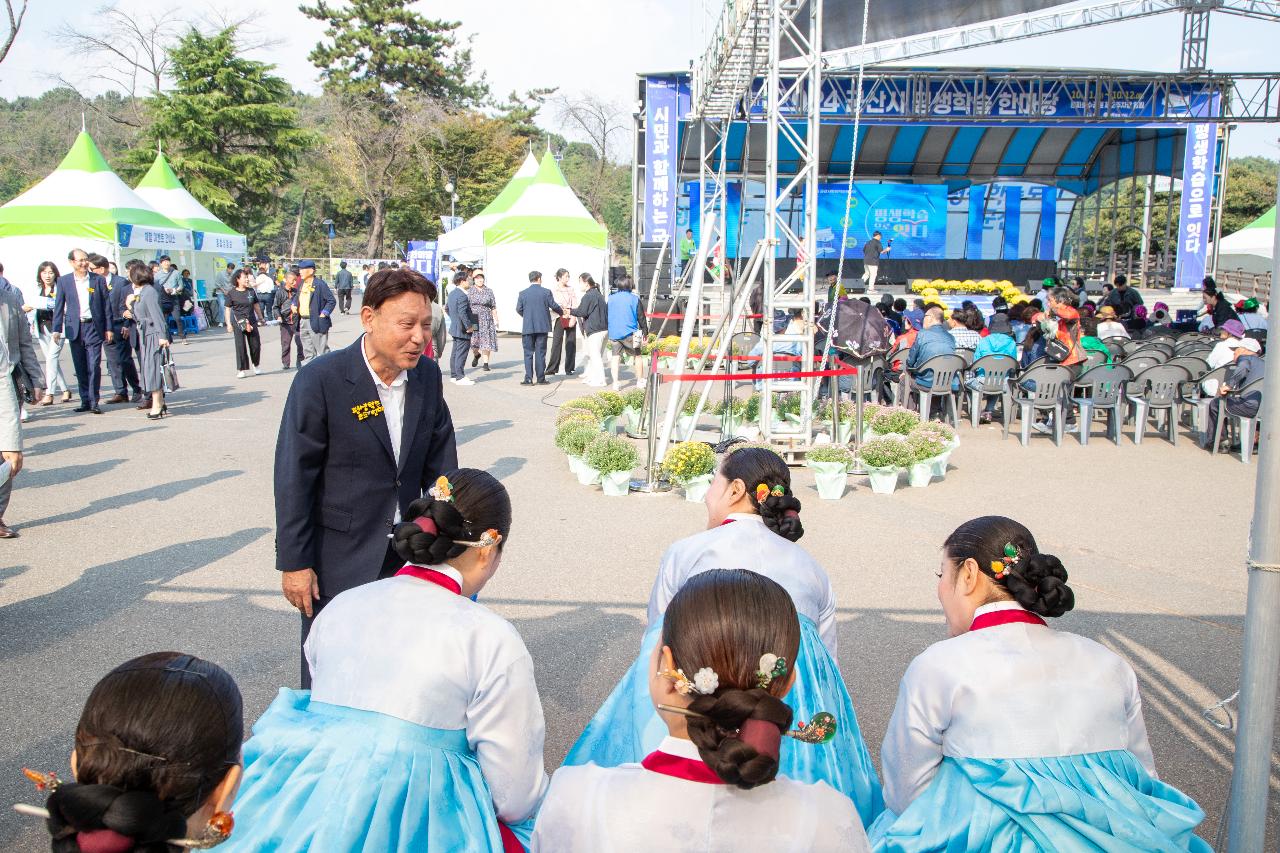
(221, 400)
(471, 432)
(161, 492)
(506, 466)
(30, 478)
(84, 439)
(41, 430)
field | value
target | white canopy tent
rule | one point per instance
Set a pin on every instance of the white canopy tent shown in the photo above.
(1249, 249)
(215, 244)
(466, 242)
(84, 204)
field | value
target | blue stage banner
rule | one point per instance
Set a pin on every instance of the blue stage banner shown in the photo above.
(1197, 202)
(661, 126)
(913, 216)
(1048, 223)
(422, 256)
(1012, 223)
(888, 99)
(977, 222)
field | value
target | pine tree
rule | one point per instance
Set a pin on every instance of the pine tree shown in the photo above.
(227, 128)
(384, 47)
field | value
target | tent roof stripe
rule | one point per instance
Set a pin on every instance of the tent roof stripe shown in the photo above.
(161, 188)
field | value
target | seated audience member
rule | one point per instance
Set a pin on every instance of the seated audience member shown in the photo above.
(1018, 323)
(933, 339)
(1247, 369)
(999, 341)
(1090, 340)
(959, 326)
(423, 729)
(915, 315)
(1137, 324)
(156, 760)
(1123, 299)
(1074, 772)
(718, 677)
(1217, 309)
(1223, 352)
(1247, 309)
(1109, 325)
(1160, 319)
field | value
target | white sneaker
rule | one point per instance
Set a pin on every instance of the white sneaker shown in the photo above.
(465, 381)
(256, 371)
(26, 416)
(241, 375)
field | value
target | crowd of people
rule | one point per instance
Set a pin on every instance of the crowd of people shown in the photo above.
(419, 724)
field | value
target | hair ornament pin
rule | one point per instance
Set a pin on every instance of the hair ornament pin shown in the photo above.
(821, 729)
(704, 682)
(1001, 568)
(43, 781)
(442, 490)
(771, 667)
(763, 492)
(489, 537)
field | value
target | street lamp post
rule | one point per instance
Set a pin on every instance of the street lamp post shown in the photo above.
(328, 224)
(453, 200)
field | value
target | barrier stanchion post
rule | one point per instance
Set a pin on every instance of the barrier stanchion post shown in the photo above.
(651, 482)
(858, 402)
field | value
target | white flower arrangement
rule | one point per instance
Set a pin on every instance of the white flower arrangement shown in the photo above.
(767, 662)
(705, 681)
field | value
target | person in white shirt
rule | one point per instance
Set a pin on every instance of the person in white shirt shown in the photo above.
(1223, 352)
(753, 522)
(718, 680)
(423, 729)
(1011, 735)
(1109, 325)
(265, 286)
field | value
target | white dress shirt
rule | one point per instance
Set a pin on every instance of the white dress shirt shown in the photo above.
(1017, 690)
(629, 809)
(748, 544)
(411, 649)
(263, 283)
(392, 398)
(82, 290)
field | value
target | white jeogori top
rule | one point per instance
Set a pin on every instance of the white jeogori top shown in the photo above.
(629, 809)
(410, 649)
(1009, 691)
(747, 544)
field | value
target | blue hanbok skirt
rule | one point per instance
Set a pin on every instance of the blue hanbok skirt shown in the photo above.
(1103, 801)
(627, 727)
(332, 779)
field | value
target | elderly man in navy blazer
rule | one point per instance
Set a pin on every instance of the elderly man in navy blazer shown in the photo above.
(365, 432)
(536, 306)
(80, 315)
(119, 347)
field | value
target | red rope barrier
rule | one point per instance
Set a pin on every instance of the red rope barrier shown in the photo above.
(803, 374)
(705, 317)
(776, 357)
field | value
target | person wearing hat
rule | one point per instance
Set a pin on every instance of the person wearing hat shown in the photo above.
(314, 304)
(1247, 369)
(1223, 352)
(1247, 309)
(1109, 325)
(998, 341)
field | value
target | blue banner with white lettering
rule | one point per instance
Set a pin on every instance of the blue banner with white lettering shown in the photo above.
(661, 126)
(1197, 203)
(423, 257)
(1048, 223)
(913, 216)
(977, 218)
(1012, 222)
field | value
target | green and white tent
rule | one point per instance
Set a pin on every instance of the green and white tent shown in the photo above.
(542, 226)
(215, 242)
(1251, 248)
(83, 204)
(466, 242)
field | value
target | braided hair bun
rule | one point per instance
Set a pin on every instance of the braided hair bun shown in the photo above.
(718, 734)
(107, 819)
(756, 466)
(1035, 580)
(433, 527)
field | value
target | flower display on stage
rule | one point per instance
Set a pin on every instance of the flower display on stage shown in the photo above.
(932, 288)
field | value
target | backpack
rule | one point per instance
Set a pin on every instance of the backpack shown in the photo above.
(855, 328)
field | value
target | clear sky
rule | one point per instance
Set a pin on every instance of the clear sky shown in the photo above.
(600, 45)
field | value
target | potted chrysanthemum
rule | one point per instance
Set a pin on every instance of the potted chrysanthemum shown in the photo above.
(944, 434)
(884, 458)
(633, 409)
(893, 420)
(925, 448)
(612, 458)
(691, 465)
(847, 410)
(830, 464)
(572, 437)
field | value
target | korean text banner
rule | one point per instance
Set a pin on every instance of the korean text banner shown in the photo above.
(913, 216)
(661, 126)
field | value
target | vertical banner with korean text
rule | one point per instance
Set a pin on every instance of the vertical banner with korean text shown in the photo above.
(661, 126)
(1198, 166)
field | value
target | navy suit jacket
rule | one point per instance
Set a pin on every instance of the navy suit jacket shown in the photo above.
(536, 305)
(337, 484)
(120, 290)
(461, 318)
(66, 306)
(322, 304)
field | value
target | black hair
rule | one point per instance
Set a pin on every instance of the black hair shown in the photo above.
(626, 284)
(561, 272)
(50, 265)
(460, 276)
(1079, 282)
(586, 276)
(1122, 279)
(244, 273)
(342, 264)
(479, 503)
(1209, 283)
(899, 305)
(1037, 304)
(231, 265)
(1036, 581)
(1088, 325)
(156, 737)
(973, 320)
(756, 465)
(98, 261)
(388, 284)
(727, 619)
(71, 256)
(140, 274)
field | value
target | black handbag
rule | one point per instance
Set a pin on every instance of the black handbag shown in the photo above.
(169, 372)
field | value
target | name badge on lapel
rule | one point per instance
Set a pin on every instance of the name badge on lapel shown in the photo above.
(371, 409)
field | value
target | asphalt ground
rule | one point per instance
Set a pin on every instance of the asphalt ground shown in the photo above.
(138, 536)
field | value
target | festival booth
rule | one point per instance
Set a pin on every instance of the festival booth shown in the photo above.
(1249, 249)
(84, 204)
(215, 244)
(545, 228)
(466, 242)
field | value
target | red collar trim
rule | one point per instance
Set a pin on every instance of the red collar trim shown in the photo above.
(431, 576)
(728, 521)
(1004, 617)
(680, 768)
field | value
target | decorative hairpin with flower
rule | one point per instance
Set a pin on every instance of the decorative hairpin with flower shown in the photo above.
(763, 492)
(442, 490)
(1001, 568)
(489, 537)
(771, 667)
(821, 729)
(704, 682)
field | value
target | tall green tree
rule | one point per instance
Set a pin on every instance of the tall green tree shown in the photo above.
(386, 47)
(227, 128)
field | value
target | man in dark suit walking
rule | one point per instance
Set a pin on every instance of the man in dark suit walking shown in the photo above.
(119, 349)
(344, 283)
(462, 322)
(80, 310)
(363, 435)
(536, 306)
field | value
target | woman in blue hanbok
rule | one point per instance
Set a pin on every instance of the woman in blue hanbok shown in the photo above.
(422, 730)
(1013, 736)
(753, 522)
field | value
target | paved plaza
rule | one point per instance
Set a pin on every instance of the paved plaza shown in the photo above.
(138, 536)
